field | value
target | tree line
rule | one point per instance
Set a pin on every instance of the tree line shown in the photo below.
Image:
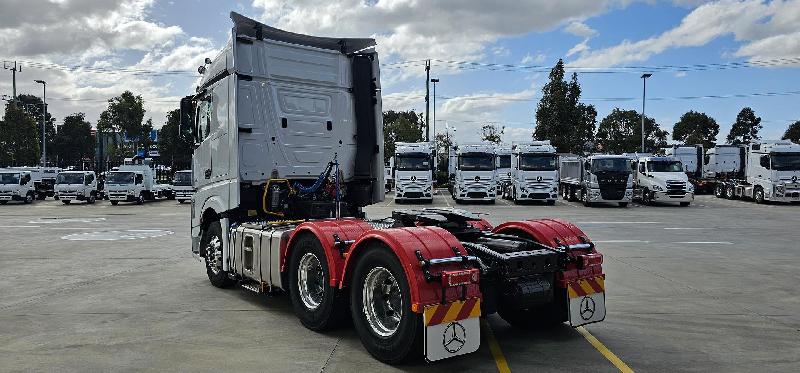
(121, 130)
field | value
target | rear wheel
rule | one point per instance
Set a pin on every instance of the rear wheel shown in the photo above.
(315, 301)
(719, 191)
(730, 193)
(381, 307)
(212, 250)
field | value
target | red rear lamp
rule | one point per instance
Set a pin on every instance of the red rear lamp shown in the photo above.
(460, 277)
(590, 260)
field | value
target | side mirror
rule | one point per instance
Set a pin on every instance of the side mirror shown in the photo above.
(764, 160)
(187, 121)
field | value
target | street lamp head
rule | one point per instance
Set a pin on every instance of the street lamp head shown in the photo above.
(434, 80)
(646, 75)
(40, 81)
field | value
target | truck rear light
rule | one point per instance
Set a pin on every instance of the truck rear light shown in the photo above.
(460, 277)
(590, 260)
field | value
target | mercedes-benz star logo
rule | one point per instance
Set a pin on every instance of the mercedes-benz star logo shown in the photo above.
(587, 308)
(454, 337)
(794, 178)
(477, 178)
(413, 178)
(538, 178)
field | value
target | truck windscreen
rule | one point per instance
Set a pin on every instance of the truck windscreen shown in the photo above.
(476, 162)
(182, 179)
(786, 162)
(610, 165)
(538, 162)
(9, 178)
(664, 166)
(69, 179)
(120, 178)
(412, 162)
(504, 161)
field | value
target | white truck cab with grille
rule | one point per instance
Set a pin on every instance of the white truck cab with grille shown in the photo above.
(534, 172)
(414, 170)
(474, 173)
(661, 179)
(76, 186)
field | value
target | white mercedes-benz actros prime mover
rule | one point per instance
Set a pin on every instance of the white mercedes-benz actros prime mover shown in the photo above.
(414, 171)
(770, 172)
(534, 172)
(474, 172)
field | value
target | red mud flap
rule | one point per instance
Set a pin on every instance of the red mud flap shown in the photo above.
(452, 329)
(587, 301)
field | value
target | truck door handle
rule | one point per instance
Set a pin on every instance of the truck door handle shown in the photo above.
(208, 173)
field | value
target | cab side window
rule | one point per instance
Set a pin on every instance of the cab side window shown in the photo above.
(89, 179)
(139, 179)
(204, 113)
(641, 167)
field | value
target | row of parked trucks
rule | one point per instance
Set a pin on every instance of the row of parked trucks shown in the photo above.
(134, 181)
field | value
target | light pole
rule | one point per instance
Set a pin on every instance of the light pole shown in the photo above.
(44, 119)
(644, 94)
(434, 81)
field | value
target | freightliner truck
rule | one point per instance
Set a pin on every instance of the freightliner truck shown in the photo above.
(534, 172)
(289, 149)
(474, 172)
(597, 178)
(182, 186)
(16, 185)
(661, 179)
(414, 170)
(135, 181)
(770, 172)
(77, 186)
(692, 158)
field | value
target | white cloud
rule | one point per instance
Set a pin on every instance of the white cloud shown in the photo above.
(680, 74)
(581, 47)
(766, 30)
(533, 59)
(578, 28)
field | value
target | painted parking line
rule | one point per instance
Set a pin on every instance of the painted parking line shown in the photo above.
(599, 346)
(618, 222)
(687, 229)
(494, 347)
(19, 226)
(706, 242)
(622, 241)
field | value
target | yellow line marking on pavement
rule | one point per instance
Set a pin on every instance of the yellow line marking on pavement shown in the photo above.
(494, 347)
(604, 350)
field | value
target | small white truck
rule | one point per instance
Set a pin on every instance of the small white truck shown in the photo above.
(16, 185)
(534, 172)
(474, 173)
(596, 178)
(76, 186)
(414, 170)
(44, 180)
(661, 179)
(135, 181)
(182, 186)
(502, 172)
(771, 173)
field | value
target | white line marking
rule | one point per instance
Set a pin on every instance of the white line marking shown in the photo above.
(706, 242)
(619, 222)
(71, 228)
(622, 241)
(19, 226)
(686, 228)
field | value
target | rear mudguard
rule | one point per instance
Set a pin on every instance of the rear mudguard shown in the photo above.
(555, 233)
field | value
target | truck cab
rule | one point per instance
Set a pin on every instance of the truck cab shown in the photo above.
(414, 170)
(534, 172)
(134, 181)
(661, 179)
(182, 186)
(474, 173)
(44, 180)
(76, 186)
(598, 178)
(16, 185)
(773, 171)
(502, 156)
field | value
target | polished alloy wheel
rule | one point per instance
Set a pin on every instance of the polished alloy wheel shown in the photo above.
(310, 281)
(383, 302)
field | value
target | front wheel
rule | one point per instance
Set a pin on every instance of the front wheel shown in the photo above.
(585, 198)
(685, 204)
(140, 200)
(758, 196)
(551, 202)
(315, 301)
(114, 203)
(719, 191)
(65, 202)
(3, 202)
(180, 201)
(212, 250)
(623, 204)
(91, 199)
(29, 198)
(380, 301)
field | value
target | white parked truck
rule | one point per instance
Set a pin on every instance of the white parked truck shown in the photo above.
(596, 178)
(692, 158)
(182, 186)
(16, 185)
(661, 179)
(474, 177)
(534, 172)
(414, 171)
(502, 172)
(771, 172)
(44, 180)
(289, 148)
(134, 181)
(77, 186)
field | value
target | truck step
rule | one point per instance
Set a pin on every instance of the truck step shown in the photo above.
(254, 287)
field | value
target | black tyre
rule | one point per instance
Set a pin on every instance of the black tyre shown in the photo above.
(685, 204)
(585, 198)
(534, 318)
(719, 191)
(646, 197)
(492, 202)
(317, 304)
(730, 193)
(114, 202)
(66, 202)
(623, 204)
(141, 199)
(211, 248)
(3, 202)
(180, 201)
(551, 202)
(380, 301)
(758, 195)
(41, 196)
(91, 199)
(29, 198)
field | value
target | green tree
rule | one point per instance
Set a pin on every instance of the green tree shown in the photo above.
(620, 132)
(492, 133)
(793, 132)
(561, 117)
(74, 142)
(174, 145)
(125, 115)
(32, 105)
(19, 138)
(746, 127)
(696, 128)
(401, 126)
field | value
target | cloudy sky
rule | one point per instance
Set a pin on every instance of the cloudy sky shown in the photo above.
(492, 57)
